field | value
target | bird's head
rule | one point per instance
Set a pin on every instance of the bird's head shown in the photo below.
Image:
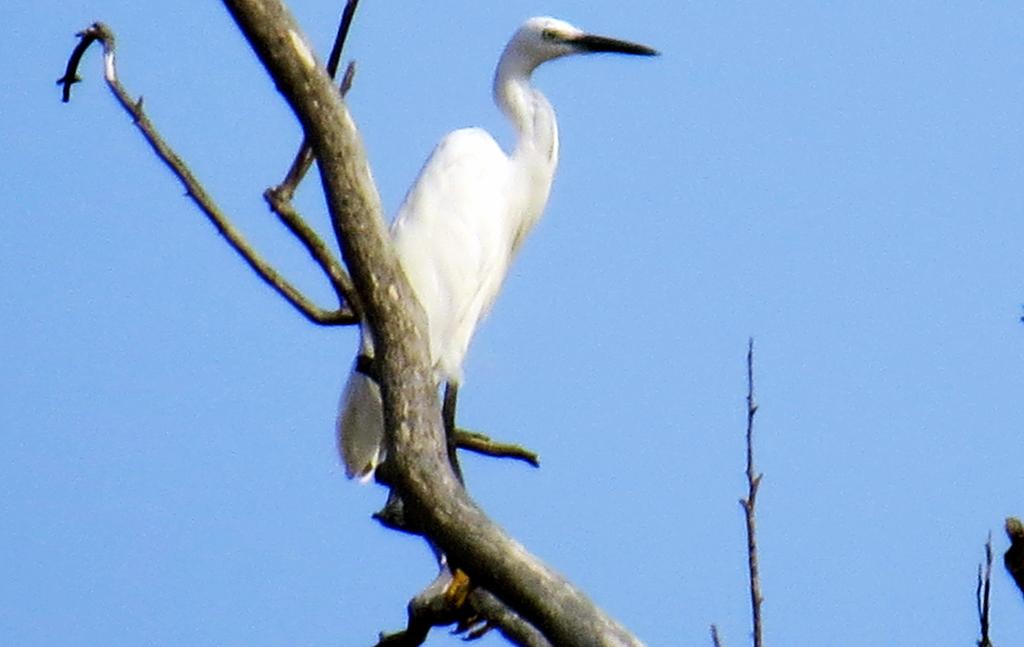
(541, 39)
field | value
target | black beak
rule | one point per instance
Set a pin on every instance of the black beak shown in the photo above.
(591, 43)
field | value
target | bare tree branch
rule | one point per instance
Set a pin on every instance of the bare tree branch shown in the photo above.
(414, 433)
(304, 157)
(715, 640)
(481, 444)
(983, 592)
(319, 250)
(1014, 557)
(480, 613)
(341, 316)
(750, 502)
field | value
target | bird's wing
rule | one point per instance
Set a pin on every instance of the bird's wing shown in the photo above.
(453, 235)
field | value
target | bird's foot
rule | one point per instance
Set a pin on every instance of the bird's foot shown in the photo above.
(458, 589)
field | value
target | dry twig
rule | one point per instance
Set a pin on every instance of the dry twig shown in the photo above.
(304, 157)
(481, 444)
(197, 193)
(750, 502)
(715, 640)
(982, 593)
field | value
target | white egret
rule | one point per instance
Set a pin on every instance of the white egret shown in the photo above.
(464, 220)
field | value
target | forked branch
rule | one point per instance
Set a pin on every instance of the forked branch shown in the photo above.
(304, 158)
(343, 315)
(473, 617)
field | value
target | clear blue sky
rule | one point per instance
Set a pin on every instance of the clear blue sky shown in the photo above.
(844, 183)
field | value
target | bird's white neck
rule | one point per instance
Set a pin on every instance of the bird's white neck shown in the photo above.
(536, 150)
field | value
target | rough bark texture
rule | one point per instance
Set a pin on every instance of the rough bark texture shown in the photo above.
(412, 413)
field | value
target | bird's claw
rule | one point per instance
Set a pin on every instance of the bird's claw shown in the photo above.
(458, 589)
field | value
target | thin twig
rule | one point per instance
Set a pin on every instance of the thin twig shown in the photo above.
(750, 502)
(481, 444)
(344, 25)
(87, 37)
(982, 593)
(715, 640)
(321, 253)
(304, 157)
(279, 197)
(195, 191)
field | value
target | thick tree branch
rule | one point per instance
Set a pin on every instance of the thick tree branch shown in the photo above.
(304, 157)
(415, 436)
(435, 606)
(480, 613)
(342, 316)
(750, 504)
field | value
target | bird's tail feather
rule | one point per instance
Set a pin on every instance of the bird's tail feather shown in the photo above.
(360, 426)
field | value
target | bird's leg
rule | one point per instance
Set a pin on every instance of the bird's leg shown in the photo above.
(366, 366)
(460, 586)
(451, 396)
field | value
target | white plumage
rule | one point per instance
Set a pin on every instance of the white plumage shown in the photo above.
(465, 218)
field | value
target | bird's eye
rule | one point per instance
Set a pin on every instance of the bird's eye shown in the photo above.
(548, 34)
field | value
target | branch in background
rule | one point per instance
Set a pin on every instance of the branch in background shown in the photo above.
(715, 640)
(750, 502)
(1014, 557)
(341, 316)
(983, 592)
(415, 437)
